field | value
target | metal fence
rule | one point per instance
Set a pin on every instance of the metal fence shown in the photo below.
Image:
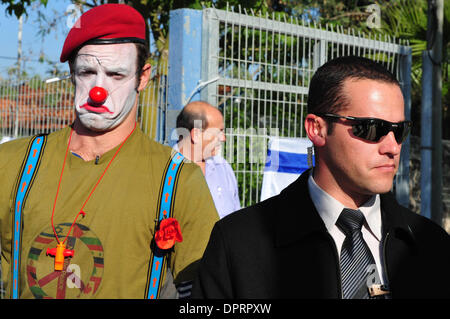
(263, 66)
(35, 106)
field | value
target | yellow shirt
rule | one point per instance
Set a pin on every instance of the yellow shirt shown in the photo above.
(112, 241)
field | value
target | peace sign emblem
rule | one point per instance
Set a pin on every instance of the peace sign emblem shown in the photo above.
(81, 275)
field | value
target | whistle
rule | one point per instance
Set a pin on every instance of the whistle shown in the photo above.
(60, 252)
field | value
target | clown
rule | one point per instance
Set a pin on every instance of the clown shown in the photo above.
(108, 68)
(105, 79)
(87, 225)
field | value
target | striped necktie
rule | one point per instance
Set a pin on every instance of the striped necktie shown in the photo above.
(355, 255)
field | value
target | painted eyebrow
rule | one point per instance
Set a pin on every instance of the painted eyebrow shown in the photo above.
(85, 68)
(113, 70)
(119, 69)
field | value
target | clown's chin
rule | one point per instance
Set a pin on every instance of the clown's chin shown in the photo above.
(97, 122)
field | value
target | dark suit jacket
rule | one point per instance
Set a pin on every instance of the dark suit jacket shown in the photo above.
(280, 248)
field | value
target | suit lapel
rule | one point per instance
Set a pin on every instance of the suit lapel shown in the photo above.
(398, 245)
(393, 220)
(298, 217)
(303, 245)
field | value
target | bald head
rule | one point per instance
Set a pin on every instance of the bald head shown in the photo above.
(197, 111)
(200, 130)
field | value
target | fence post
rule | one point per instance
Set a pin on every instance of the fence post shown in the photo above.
(426, 141)
(320, 54)
(210, 52)
(185, 57)
(402, 179)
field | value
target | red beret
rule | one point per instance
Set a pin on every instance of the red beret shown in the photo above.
(105, 24)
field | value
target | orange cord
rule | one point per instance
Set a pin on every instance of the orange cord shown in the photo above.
(92, 191)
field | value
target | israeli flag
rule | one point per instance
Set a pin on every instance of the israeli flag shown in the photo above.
(287, 158)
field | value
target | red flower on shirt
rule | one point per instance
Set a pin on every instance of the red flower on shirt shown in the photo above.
(168, 233)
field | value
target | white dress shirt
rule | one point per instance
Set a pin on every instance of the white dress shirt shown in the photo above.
(329, 210)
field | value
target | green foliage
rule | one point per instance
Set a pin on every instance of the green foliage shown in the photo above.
(409, 20)
(342, 13)
(19, 8)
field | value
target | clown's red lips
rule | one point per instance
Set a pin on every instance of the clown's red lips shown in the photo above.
(96, 109)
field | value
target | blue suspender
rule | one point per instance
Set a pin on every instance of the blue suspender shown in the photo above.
(166, 202)
(26, 179)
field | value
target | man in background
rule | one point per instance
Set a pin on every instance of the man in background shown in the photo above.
(200, 129)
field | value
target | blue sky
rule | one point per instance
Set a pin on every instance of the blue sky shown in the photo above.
(32, 43)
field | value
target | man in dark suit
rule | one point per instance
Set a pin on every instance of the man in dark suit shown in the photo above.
(337, 231)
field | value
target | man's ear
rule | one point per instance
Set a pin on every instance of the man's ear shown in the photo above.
(196, 135)
(316, 129)
(145, 77)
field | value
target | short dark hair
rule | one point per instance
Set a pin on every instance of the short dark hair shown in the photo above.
(186, 119)
(325, 89)
(142, 57)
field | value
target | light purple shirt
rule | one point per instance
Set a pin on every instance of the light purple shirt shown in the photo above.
(222, 184)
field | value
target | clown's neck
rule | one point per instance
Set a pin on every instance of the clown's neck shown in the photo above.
(90, 144)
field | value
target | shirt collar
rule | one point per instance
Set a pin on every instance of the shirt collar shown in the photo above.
(329, 208)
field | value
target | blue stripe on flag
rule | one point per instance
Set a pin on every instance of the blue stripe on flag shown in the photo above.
(285, 162)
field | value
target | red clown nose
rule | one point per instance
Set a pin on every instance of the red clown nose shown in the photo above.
(98, 95)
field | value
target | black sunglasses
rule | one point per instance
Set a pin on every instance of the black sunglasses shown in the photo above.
(373, 129)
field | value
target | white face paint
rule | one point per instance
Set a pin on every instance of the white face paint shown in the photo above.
(112, 67)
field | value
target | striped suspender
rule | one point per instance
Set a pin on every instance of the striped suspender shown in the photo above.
(167, 196)
(26, 177)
